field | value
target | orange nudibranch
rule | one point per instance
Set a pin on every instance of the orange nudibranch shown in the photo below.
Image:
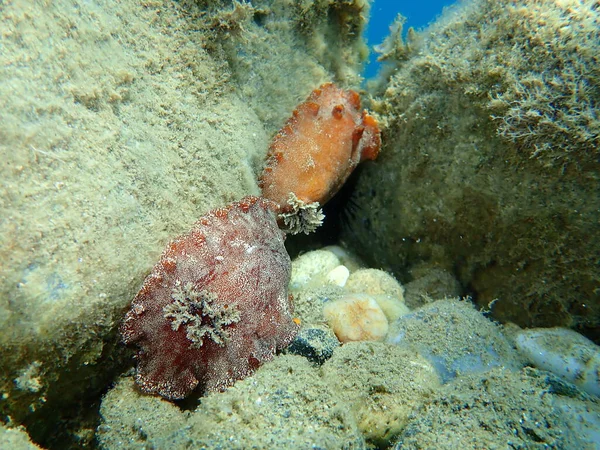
(318, 148)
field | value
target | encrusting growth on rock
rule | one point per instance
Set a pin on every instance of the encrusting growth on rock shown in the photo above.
(302, 217)
(215, 306)
(315, 152)
(201, 313)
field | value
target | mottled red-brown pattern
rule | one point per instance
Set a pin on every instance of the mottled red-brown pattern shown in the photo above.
(215, 306)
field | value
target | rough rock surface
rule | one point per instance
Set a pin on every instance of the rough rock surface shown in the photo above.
(489, 167)
(285, 404)
(383, 386)
(504, 408)
(122, 123)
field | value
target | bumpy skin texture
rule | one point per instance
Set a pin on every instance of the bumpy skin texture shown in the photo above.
(215, 306)
(319, 147)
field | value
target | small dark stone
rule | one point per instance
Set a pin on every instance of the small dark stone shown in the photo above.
(315, 344)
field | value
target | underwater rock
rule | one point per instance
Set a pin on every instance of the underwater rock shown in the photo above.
(383, 287)
(338, 276)
(310, 269)
(286, 404)
(489, 165)
(314, 154)
(346, 258)
(315, 344)
(277, 50)
(470, 344)
(383, 385)
(16, 439)
(357, 304)
(356, 317)
(375, 282)
(215, 306)
(430, 284)
(502, 409)
(565, 353)
(105, 153)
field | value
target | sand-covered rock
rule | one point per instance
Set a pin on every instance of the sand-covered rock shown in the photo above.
(123, 123)
(455, 337)
(428, 285)
(15, 439)
(356, 304)
(109, 142)
(356, 317)
(362, 396)
(563, 352)
(286, 404)
(503, 409)
(383, 386)
(490, 160)
(281, 49)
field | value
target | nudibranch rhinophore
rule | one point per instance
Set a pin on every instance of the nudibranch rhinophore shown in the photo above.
(315, 152)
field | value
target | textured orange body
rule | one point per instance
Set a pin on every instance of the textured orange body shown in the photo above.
(319, 147)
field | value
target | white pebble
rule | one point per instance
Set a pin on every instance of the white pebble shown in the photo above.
(338, 276)
(565, 353)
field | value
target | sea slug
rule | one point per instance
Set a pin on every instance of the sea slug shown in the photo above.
(215, 306)
(315, 152)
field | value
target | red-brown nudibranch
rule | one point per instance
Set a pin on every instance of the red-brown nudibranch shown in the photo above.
(315, 152)
(215, 307)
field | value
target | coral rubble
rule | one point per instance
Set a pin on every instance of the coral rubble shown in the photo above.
(215, 306)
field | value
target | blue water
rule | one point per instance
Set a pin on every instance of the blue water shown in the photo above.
(383, 13)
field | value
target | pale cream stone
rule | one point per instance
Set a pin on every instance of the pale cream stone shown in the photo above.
(311, 269)
(392, 307)
(374, 282)
(338, 276)
(351, 261)
(356, 317)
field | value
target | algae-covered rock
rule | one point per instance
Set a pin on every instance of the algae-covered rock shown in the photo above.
(382, 385)
(455, 337)
(122, 123)
(15, 439)
(108, 144)
(490, 161)
(311, 269)
(277, 49)
(286, 404)
(503, 409)
(130, 417)
(428, 285)
(315, 343)
(356, 317)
